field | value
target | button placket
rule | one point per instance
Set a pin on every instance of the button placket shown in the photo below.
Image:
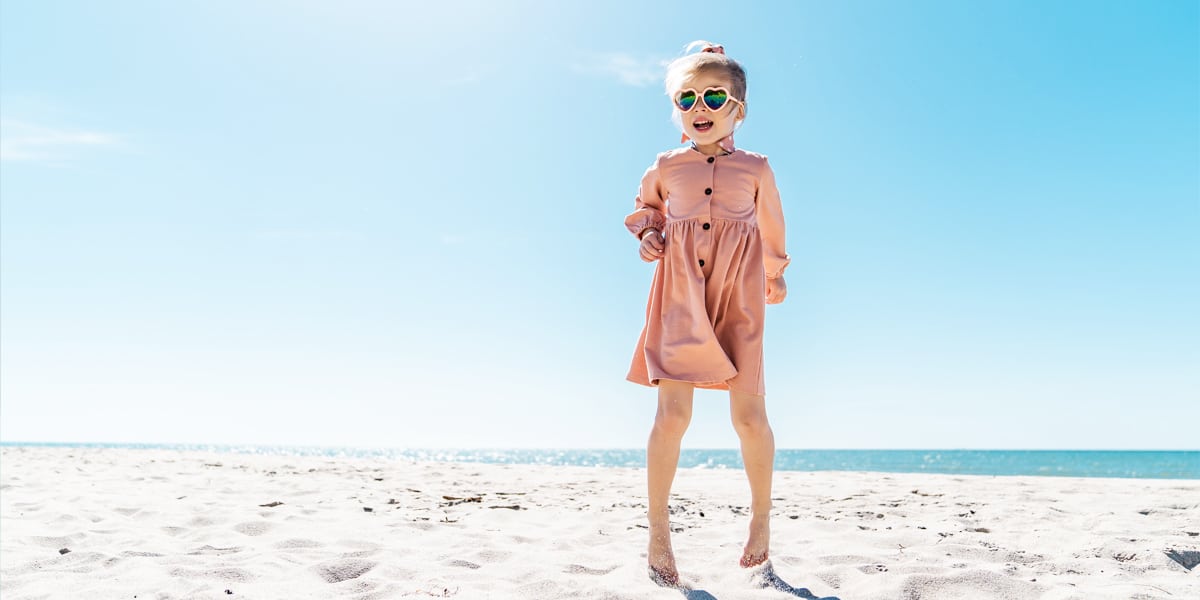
(704, 244)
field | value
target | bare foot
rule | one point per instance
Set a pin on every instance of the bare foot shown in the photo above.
(661, 557)
(759, 542)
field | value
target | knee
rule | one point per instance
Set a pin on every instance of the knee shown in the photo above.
(751, 424)
(672, 422)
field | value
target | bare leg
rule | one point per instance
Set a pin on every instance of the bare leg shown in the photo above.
(662, 457)
(749, 414)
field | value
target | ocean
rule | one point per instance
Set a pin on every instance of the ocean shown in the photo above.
(1148, 464)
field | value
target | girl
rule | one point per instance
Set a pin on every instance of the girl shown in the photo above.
(711, 215)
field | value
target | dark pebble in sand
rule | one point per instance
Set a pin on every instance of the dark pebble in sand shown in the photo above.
(271, 504)
(368, 509)
(230, 592)
(63, 550)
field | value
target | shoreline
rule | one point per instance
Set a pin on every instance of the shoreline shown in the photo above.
(1106, 464)
(180, 524)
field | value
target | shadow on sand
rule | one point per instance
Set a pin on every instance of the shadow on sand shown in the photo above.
(768, 578)
(763, 577)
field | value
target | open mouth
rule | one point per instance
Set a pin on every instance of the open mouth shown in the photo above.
(702, 124)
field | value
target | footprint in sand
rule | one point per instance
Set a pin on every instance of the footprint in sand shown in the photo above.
(977, 585)
(340, 570)
(298, 543)
(359, 553)
(213, 550)
(51, 542)
(580, 569)
(492, 556)
(226, 574)
(254, 527)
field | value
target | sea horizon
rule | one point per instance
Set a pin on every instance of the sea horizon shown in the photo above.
(1133, 464)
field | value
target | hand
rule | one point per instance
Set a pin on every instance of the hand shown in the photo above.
(652, 246)
(776, 290)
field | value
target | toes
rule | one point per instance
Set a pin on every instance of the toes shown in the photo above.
(663, 578)
(753, 560)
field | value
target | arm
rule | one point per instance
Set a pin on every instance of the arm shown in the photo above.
(649, 207)
(769, 212)
(649, 216)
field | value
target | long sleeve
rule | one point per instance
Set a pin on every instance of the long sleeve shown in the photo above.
(649, 207)
(769, 212)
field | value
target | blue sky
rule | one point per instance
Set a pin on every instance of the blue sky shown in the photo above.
(390, 224)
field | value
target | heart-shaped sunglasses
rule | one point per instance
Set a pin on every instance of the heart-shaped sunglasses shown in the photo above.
(714, 98)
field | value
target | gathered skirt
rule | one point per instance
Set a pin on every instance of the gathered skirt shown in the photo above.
(706, 309)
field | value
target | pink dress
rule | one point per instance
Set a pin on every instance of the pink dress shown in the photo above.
(723, 223)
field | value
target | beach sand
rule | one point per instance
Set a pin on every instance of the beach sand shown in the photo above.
(157, 524)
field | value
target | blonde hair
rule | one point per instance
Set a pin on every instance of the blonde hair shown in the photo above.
(690, 65)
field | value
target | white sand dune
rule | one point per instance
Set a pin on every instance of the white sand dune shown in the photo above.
(157, 524)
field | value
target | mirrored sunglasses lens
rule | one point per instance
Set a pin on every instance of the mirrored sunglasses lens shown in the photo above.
(686, 100)
(715, 99)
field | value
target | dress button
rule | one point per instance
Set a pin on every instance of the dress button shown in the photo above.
(710, 159)
(707, 191)
(706, 226)
(702, 262)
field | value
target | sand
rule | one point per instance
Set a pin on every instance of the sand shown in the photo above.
(157, 524)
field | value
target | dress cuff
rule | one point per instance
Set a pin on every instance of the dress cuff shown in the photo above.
(644, 219)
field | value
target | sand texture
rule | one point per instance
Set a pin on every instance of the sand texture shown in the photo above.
(158, 524)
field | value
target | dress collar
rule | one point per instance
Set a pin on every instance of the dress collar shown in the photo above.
(726, 143)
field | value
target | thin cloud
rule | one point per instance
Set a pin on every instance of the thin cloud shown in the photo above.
(626, 68)
(24, 141)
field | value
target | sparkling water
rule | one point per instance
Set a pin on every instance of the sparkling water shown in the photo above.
(1152, 464)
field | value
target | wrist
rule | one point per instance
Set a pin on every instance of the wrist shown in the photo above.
(646, 231)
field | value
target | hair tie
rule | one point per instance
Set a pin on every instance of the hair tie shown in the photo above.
(717, 49)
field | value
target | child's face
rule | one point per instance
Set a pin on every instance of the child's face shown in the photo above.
(702, 124)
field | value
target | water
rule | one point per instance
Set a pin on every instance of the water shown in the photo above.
(1064, 463)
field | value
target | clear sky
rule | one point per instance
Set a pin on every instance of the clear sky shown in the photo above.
(391, 224)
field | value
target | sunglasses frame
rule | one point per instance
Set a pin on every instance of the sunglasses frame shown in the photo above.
(700, 98)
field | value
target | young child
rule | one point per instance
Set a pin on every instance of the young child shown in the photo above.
(710, 214)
